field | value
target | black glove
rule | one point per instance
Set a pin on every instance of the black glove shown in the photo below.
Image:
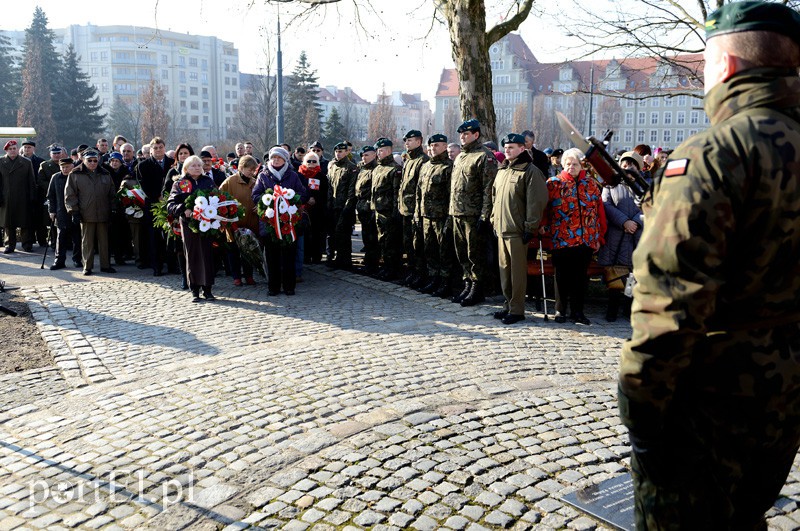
(526, 237)
(76, 218)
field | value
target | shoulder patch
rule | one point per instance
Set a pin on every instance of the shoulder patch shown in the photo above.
(677, 167)
(185, 186)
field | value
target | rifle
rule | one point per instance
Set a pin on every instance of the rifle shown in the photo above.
(49, 242)
(609, 172)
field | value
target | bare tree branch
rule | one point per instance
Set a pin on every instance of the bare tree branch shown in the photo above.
(507, 26)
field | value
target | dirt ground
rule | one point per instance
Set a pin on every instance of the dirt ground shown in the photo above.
(21, 345)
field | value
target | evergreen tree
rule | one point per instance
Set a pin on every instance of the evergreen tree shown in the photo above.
(335, 131)
(76, 106)
(301, 109)
(42, 64)
(9, 84)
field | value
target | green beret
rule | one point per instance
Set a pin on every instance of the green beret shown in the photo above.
(469, 126)
(383, 142)
(413, 134)
(736, 17)
(438, 137)
(340, 145)
(513, 138)
(367, 148)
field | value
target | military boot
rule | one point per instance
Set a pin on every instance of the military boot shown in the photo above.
(408, 279)
(431, 286)
(420, 282)
(444, 290)
(475, 295)
(467, 286)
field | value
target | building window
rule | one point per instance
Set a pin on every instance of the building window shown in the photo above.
(163, 59)
(205, 93)
(641, 119)
(205, 121)
(104, 56)
(205, 106)
(694, 117)
(195, 120)
(696, 102)
(227, 94)
(680, 117)
(104, 87)
(192, 76)
(193, 61)
(653, 118)
(193, 105)
(181, 60)
(679, 135)
(165, 74)
(628, 118)
(94, 71)
(182, 76)
(193, 91)
(630, 103)
(204, 79)
(682, 101)
(667, 134)
(654, 136)
(104, 71)
(639, 137)
(227, 67)
(628, 137)
(93, 56)
(227, 107)
(497, 65)
(234, 81)
(234, 94)
(667, 117)
(183, 104)
(667, 101)
(233, 67)
(204, 64)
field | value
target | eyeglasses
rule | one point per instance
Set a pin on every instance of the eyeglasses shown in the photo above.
(91, 160)
(312, 162)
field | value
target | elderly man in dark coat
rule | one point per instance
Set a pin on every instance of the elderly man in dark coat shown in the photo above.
(17, 196)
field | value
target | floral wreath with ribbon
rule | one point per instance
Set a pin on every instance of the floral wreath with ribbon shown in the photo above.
(212, 211)
(164, 220)
(133, 201)
(279, 209)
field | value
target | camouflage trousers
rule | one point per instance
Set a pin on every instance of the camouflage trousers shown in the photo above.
(470, 247)
(341, 243)
(389, 239)
(414, 245)
(438, 233)
(369, 235)
(724, 456)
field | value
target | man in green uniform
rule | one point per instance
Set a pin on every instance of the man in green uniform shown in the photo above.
(471, 205)
(433, 201)
(709, 384)
(519, 197)
(414, 158)
(342, 175)
(385, 188)
(366, 216)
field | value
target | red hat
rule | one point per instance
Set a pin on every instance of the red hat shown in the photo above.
(9, 144)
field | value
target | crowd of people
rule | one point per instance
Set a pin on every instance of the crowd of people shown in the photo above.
(455, 220)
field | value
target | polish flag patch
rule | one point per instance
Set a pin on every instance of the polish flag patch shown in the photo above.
(313, 184)
(676, 167)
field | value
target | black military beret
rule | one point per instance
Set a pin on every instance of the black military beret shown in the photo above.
(413, 134)
(512, 138)
(438, 137)
(383, 142)
(340, 145)
(472, 126)
(231, 155)
(29, 143)
(736, 17)
(367, 148)
(205, 155)
(316, 144)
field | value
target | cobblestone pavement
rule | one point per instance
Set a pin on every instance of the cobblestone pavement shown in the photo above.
(355, 404)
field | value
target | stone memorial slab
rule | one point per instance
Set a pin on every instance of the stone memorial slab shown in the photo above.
(610, 501)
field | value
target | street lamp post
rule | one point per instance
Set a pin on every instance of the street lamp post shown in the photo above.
(279, 114)
(591, 96)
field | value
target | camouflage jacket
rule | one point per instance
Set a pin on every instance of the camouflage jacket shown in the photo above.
(719, 258)
(407, 200)
(364, 186)
(385, 186)
(342, 179)
(471, 186)
(433, 187)
(519, 196)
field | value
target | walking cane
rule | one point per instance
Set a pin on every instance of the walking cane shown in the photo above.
(544, 290)
(49, 242)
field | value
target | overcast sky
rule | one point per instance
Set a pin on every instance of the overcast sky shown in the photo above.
(405, 52)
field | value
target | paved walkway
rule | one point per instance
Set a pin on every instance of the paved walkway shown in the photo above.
(354, 404)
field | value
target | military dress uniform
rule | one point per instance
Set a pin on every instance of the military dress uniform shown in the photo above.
(366, 216)
(342, 176)
(709, 384)
(385, 187)
(413, 239)
(433, 202)
(470, 206)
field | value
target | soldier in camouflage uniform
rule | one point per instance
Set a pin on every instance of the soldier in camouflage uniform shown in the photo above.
(385, 189)
(366, 216)
(433, 201)
(471, 205)
(414, 158)
(342, 175)
(709, 384)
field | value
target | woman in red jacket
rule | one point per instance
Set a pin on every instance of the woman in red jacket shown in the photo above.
(575, 219)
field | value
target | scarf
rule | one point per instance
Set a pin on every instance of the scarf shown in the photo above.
(309, 172)
(278, 174)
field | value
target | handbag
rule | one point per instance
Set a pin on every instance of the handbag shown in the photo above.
(615, 276)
